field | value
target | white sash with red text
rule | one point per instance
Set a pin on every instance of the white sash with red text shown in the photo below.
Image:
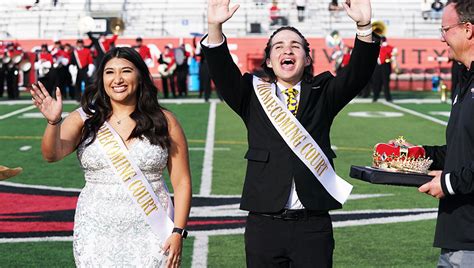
(300, 141)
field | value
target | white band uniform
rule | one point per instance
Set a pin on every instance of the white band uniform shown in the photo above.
(300, 141)
(135, 183)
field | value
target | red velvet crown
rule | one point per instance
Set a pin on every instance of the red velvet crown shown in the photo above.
(400, 158)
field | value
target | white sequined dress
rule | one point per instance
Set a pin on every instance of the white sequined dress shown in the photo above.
(109, 229)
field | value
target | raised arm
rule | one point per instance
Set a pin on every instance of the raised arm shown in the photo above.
(60, 138)
(360, 11)
(218, 12)
(363, 60)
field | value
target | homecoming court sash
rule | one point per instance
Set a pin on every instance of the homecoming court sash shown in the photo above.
(135, 182)
(300, 141)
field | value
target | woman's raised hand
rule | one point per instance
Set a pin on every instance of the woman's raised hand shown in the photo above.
(218, 11)
(50, 108)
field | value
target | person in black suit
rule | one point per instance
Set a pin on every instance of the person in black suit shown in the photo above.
(288, 222)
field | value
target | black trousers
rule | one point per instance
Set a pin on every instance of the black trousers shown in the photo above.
(63, 81)
(381, 79)
(12, 83)
(164, 82)
(204, 81)
(80, 78)
(306, 242)
(181, 79)
(2, 81)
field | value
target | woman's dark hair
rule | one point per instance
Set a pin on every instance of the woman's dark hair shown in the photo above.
(308, 70)
(149, 116)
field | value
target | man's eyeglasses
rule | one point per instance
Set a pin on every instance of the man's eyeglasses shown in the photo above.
(445, 29)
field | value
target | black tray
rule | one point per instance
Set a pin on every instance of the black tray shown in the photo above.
(378, 176)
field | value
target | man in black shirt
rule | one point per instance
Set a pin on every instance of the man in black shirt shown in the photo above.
(453, 165)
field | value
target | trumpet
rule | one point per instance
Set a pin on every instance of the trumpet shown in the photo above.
(25, 66)
(117, 26)
(6, 60)
(379, 27)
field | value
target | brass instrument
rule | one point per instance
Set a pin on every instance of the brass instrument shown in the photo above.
(17, 58)
(334, 41)
(379, 27)
(444, 91)
(6, 59)
(25, 66)
(116, 26)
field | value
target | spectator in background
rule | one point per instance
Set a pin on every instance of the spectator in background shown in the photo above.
(274, 13)
(436, 9)
(300, 7)
(425, 9)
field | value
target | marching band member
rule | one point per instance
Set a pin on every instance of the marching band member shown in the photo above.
(85, 68)
(381, 78)
(61, 62)
(166, 69)
(14, 54)
(2, 68)
(144, 51)
(44, 65)
(102, 45)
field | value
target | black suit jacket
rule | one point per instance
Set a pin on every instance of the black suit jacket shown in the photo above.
(271, 163)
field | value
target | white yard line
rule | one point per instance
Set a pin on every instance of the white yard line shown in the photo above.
(385, 220)
(22, 110)
(36, 239)
(200, 251)
(41, 187)
(206, 175)
(416, 101)
(424, 116)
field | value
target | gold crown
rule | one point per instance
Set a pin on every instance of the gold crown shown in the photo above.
(402, 164)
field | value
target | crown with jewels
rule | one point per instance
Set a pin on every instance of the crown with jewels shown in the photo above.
(398, 157)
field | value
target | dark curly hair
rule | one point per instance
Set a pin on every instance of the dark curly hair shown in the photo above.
(308, 70)
(464, 9)
(149, 116)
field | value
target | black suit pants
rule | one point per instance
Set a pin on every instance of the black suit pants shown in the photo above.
(306, 242)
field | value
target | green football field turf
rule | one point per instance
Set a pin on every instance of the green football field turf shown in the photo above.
(398, 244)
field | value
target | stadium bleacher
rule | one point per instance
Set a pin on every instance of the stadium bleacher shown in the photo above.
(180, 17)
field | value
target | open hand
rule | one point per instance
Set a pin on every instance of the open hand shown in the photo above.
(218, 11)
(173, 247)
(359, 10)
(50, 108)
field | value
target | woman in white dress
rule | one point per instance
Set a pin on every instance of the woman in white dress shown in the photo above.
(119, 224)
